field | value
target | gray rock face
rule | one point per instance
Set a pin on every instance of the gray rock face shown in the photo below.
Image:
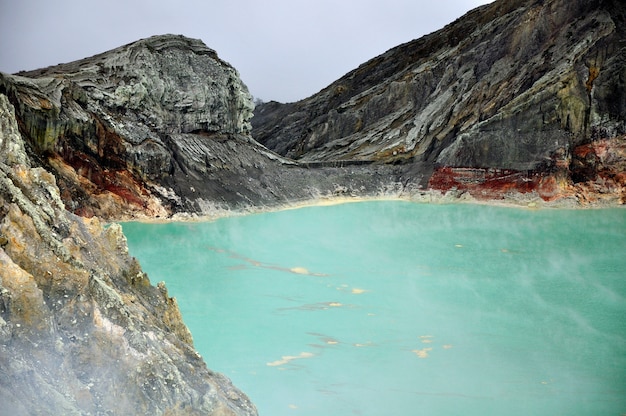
(506, 86)
(164, 83)
(108, 117)
(82, 330)
(157, 127)
(119, 105)
(11, 143)
(217, 172)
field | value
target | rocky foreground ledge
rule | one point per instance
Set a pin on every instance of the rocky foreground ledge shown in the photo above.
(82, 330)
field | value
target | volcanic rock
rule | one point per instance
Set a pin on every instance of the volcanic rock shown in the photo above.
(513, 85)
(157, 127)
(82, 330)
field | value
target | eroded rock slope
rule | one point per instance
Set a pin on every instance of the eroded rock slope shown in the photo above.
(513, 86)
(82, 330)
(156, 127)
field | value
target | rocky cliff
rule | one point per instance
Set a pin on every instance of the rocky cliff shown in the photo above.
(514, 86)
(510, 90)
(82, 330)
(157, 127)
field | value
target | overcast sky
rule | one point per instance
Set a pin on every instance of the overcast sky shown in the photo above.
(285, 50)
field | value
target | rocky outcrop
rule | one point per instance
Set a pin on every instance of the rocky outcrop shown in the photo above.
(596, 176)
(101, 123)
(82, 330)
(514, 85)
(158, 127)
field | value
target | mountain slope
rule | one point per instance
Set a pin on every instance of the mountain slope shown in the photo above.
(158, 127)
(510, 85)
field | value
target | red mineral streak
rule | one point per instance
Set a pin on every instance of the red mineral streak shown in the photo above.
(120, 182)
(485, 183)
(594, 172)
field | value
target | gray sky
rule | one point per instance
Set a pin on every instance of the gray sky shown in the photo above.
(285, 50)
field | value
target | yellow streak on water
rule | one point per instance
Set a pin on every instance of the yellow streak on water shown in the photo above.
(423, 353)
(285, 359)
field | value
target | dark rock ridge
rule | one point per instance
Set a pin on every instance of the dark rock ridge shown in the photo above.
(157, 127)
(82, 330)
(514, 85)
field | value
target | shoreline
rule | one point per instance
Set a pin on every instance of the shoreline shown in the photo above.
(530, 201)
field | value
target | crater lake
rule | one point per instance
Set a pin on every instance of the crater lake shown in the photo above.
(397, 308)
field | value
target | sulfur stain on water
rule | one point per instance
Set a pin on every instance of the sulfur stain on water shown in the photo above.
(398, 283)
(422, 353)
(426, 339)
(286, 359)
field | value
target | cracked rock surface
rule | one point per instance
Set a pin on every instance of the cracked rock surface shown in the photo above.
(506, 86)
(82, 330)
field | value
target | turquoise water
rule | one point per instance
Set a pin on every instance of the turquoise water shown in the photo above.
(394, 308)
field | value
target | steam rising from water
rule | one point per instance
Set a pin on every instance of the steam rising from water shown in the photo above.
(387, 307)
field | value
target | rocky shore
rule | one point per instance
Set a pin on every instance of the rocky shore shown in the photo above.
(518, 102)
(82, 329)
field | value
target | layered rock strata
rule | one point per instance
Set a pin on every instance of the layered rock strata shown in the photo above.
(82, 330)
(157, 127)
(513, 86)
